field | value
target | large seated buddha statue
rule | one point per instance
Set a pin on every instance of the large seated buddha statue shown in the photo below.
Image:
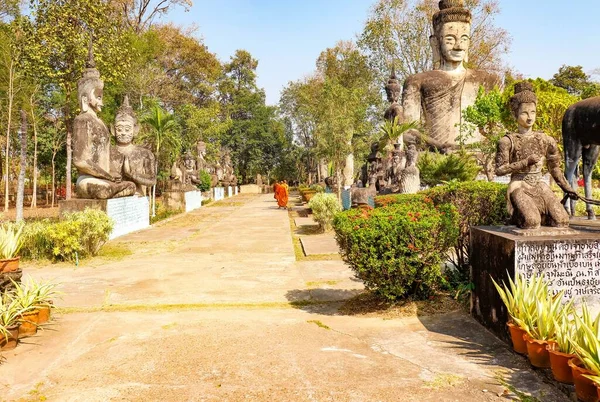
(91, 143)
(438, 97)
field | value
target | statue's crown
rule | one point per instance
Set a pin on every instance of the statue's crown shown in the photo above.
(392, 83)
(523, 94)
(451, 11)
(126, 111)
(523, 86)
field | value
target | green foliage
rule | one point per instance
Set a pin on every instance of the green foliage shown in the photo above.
(398, 250)
(479, 203)
(324, 208)
(11, 240)
(571, 78)
(437, 168)
(205, 180)
(317, 187)
(78, 235)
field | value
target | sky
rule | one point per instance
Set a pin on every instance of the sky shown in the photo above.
(287, 36)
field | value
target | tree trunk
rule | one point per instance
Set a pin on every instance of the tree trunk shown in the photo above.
(21, 184)
(69, 127)
(8, 124)
(53, 177)
(35, 169)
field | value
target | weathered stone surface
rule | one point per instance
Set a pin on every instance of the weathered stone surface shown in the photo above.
(6, 279)
(319, 244)
(250, 189)
(182, 200)
(438, 97)
(568, 261)
(91, 143)
(532, 203)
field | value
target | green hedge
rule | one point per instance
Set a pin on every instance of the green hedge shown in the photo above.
(479, 203)
(79, 235)
(398, 250)
(205, 180)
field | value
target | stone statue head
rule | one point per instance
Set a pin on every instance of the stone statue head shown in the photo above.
(90, 86)
(523, 104)
(188, 161)
(412, 155)
(201, 147)
(126, 124)
(393, 88)
(451, 33)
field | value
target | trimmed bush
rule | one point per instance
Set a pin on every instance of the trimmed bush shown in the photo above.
(391, 199)
(79, 235)
(324, 208)
(398, 250)
(436, 168)
(205, 181)
(479, 203)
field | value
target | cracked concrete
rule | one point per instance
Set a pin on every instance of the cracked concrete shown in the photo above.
(201, 311)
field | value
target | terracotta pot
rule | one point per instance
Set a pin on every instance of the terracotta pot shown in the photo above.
(537, 352)
(29, 323)
(308, 195)
(44, 313)
(584, 387)
(598, 389)
(559, 362)
(516, 334)
(9, 265)
(12, 340)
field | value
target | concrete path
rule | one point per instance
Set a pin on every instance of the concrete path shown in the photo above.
(213, 306)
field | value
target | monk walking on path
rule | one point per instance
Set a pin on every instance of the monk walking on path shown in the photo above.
(282, 194)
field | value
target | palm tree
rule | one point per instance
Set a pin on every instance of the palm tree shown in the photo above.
(162, 133)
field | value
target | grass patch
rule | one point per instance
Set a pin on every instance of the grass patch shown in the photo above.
(162, 214)
(226, 204)
(318, 284)
(123, 308)
(306, 230)
(318, 324)
(371, 304)
(521, 395)
(169, 326)
(444, 381)
(115, 251)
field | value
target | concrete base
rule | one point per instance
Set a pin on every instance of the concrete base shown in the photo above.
(130, 214)
(229, 191)
(569, 261)
(182, 201)
(219, 193)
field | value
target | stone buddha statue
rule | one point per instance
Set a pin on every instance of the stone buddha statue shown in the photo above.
(393, 89)
(229, 178)
(438, 97)
(410, 181)
(201, 162)
(135, 162)
(531, 202)
(190, 171)
(91, 143)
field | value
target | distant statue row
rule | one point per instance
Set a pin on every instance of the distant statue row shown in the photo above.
(106, 171)
(185, 172)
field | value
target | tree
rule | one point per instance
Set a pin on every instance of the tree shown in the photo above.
(139, 15)
(52, 140)
(397, 34)
(57, 50)
(571, 78)
(23, 166)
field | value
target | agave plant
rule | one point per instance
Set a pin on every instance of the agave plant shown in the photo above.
(10, 312)
(586, 340)
(564, 327)
(11, 240)
(38, 293)
(542, 326)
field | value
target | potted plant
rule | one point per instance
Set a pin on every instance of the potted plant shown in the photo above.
(10, 311)
(26, 299)
(44, 292)
(563, 350)
(11, 240)
(520, 298)
(586, 366)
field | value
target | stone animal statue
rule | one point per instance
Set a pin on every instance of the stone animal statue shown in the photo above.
(581, 139)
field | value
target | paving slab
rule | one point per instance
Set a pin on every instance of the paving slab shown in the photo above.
(319, 244)
(309, 221)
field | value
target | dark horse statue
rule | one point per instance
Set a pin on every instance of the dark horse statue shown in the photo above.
(581, 138)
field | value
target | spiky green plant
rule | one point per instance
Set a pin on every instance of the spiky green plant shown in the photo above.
(10, 312)
(586, 340)
(564, 326)
(543, 323)
(11, 240)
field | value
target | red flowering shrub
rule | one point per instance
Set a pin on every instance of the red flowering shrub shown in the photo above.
(398, 250)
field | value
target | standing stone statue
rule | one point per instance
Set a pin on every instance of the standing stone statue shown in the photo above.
(393, 91)
(438, 97)
(410, 182)
(201, 163)
(91, 142)
(531, 202)
(397, 166)
(228, 177)
(136, 163)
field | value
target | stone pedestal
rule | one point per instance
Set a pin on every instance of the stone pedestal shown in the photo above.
(219, 193)
(235, 190)
(229, 191)
(569, 260)
(130, 214)
(182, 201)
